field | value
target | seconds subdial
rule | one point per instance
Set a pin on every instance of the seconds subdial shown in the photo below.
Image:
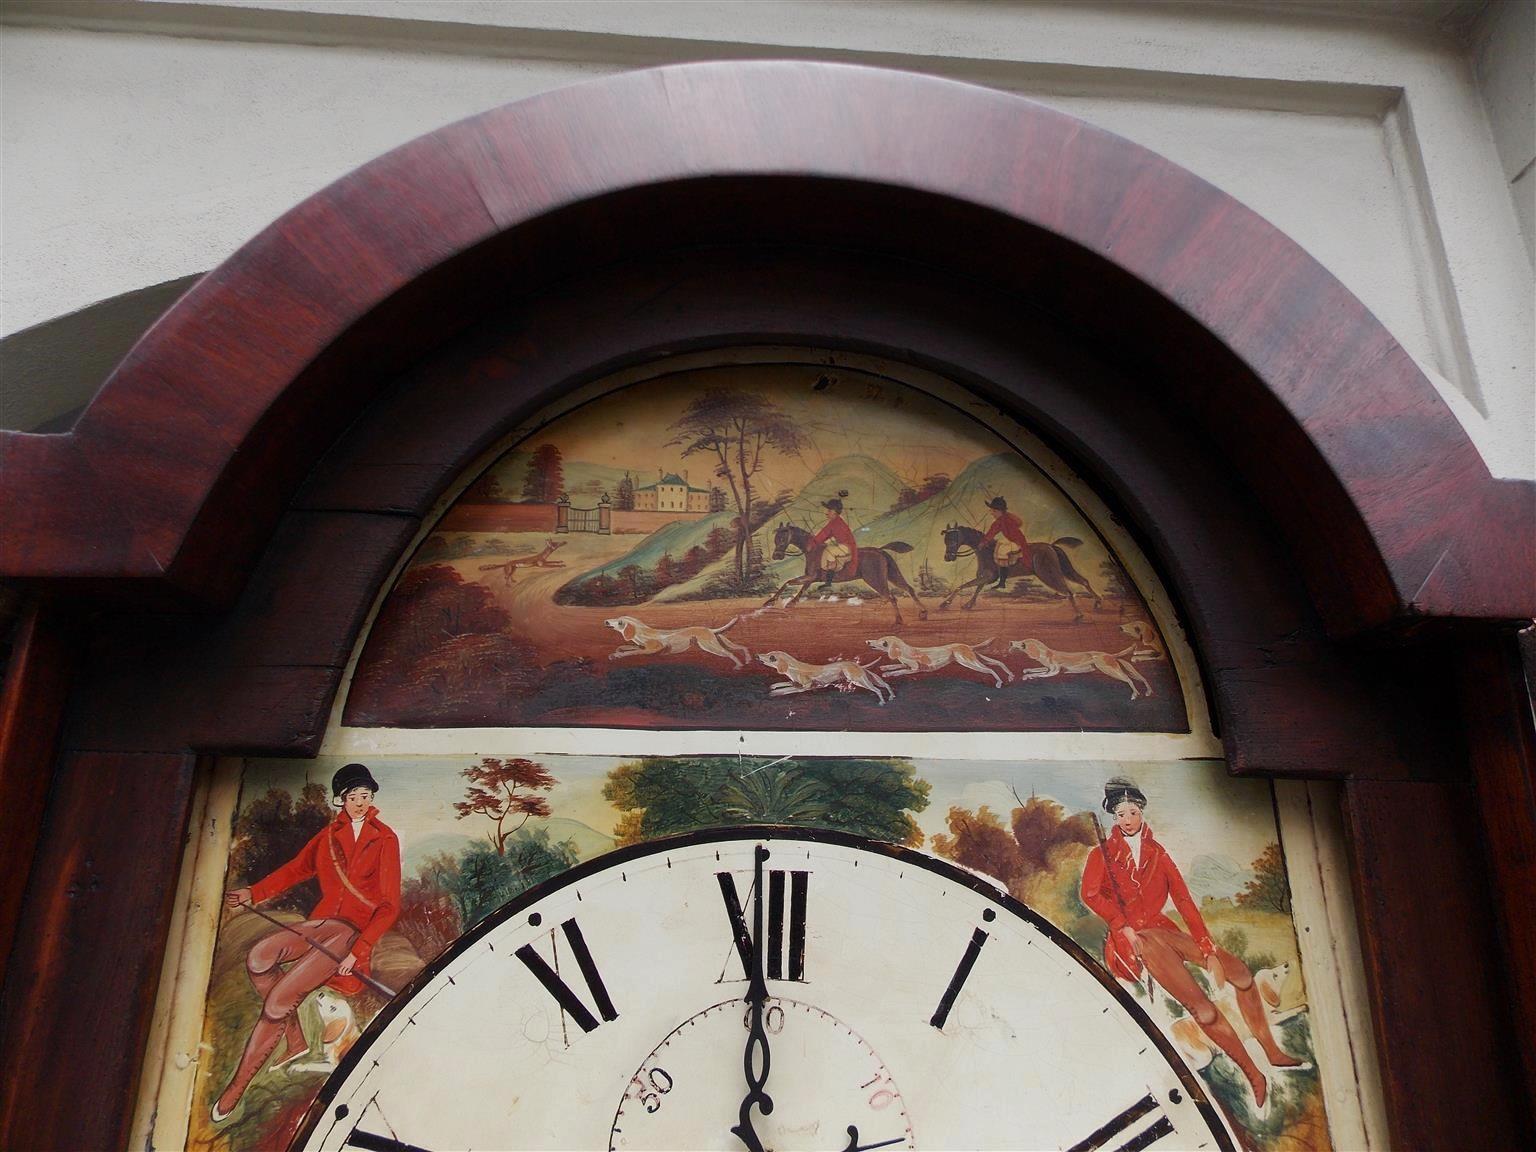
(826, 1080)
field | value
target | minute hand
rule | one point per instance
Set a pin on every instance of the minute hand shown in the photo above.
(756, 1069)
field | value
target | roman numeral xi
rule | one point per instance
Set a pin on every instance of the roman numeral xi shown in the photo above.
(775, 921)
(561, 991)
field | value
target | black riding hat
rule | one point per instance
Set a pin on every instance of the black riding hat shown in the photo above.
(350, 776)
(1119, 789)
(997, 503)
(836, 503)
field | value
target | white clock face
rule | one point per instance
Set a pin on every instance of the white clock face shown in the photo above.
(903, 1003)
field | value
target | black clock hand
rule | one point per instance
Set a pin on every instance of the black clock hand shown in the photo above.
(855, 1146)
(757, 1036)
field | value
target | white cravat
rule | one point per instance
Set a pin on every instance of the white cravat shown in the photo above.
(1135, 843)
(357, 828)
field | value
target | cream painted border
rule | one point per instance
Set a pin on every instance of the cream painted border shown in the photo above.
(1323, 909)
(1198, 742)
(164, 1106)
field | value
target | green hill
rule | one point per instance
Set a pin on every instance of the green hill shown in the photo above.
(1039, 503)
(871, 488)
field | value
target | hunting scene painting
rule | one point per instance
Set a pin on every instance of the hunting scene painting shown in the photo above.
(345, 880)
(770, 546)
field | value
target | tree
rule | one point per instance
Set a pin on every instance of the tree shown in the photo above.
(486, 490)
(737, 430)
(718, 542)
(546, 476)
(270, 831)
(502, 791)
(625, 501)
(665, 572)
(631, 584)
(692, 563)
(933, 485)
(1268, 888)
(978, 840)
(484, 880)
(1114, 579)
(776, 795)
(658, 796)
(1040, 826)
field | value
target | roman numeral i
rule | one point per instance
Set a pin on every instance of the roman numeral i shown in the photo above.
(775, 923)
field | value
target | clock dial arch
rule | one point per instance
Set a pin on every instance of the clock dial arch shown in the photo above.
(1039, 1044)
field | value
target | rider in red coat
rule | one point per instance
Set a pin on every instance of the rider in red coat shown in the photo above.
(1011, 528)
(356, 859)
(1127, 883)
(843, 552)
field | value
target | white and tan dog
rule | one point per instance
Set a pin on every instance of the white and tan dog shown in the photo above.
(909, 659)
(643, 640)
(1148, 644)
(1053, 663)
(800, 676)
(338, 1032)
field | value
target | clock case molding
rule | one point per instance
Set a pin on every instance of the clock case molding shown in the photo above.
(198, 554)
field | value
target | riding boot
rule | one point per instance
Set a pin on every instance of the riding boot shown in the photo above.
(1222, 1032)
(1258, 1023)
(264, 1037)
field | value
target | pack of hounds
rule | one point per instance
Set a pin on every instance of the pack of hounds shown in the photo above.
(894, 657)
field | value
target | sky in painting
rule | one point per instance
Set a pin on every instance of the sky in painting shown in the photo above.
(912, 433)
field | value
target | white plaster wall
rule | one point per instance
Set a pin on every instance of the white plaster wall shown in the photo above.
(142, 142)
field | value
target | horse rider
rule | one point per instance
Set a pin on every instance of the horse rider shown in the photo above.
(838, 547)
(1007, 550)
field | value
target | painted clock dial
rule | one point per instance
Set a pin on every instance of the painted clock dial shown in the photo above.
(769, 989)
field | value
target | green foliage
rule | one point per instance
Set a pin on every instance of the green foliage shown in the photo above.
(1235, 941)
(270, 831)
(663, 796)
(484, 880)
(1268, 888)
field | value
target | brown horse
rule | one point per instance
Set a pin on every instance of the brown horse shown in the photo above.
(877, 568)
(1049, 563)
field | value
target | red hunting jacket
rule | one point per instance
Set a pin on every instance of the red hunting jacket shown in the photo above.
(1010, 526)
(1145, 890)
(837, 529)
(359, 882)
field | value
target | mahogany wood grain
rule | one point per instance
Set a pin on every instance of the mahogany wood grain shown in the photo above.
(1445, 1024)
(259, 680)
(75, 1007)
(32, 700)
(1306, 381)
(1500, 737)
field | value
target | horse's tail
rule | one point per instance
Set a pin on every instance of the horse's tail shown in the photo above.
(1066, 542)
(896, 546)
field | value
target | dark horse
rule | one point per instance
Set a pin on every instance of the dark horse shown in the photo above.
(877, 568)
(1049, 563)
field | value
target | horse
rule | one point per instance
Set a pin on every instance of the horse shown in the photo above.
(1049, 563)
(877, 568)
